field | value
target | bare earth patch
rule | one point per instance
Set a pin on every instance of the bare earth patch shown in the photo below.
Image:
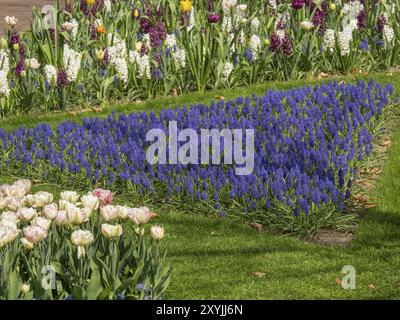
(333, 238)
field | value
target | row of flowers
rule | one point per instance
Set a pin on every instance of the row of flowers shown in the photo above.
(308, 145)
(92, 51)
(81, 242)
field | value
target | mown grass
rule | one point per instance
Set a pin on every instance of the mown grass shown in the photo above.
(215, 258)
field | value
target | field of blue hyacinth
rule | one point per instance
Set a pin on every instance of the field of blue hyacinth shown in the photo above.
(255, 142)
(309, 142)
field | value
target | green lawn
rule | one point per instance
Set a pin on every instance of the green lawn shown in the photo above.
(215, 258)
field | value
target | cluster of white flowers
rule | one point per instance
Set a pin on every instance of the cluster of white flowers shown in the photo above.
(117, 53)
(255, 45)
(226, 73)
(11, 20)
(72, 61)
(72, 27)
(50, 73)
(4, 69)
(227, 24)
(241, 13)
(329, 39)
(107, 5)
(4, 61)
(4, 88)
(255, 25)
(352, 9)
(345, 37)
(228, 5)
(180, 58)
(388, 32)
(37, 212)
(142, 63)
(170, 41)
(32, 64)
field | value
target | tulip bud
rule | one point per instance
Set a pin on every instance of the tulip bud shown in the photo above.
(100, 54)
(267, 42)
(136, 13)
(3, 43)
(139, 46)
(15, 46)
(306, 25)
(332, 6)
(25, 288)
(139, 231)
(90, 2)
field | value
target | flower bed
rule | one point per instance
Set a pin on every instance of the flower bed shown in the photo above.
(97, 50)
(76, 248)
(308, 144)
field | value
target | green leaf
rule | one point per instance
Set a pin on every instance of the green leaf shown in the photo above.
(94, 287)
(14, 286)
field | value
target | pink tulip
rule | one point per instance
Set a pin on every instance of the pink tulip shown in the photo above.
(105, 196)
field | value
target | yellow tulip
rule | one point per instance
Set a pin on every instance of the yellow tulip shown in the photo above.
(136, 13)
(186, 5)
(89, 2)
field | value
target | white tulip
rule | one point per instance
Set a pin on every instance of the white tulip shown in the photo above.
(15, 191)
(61, 218)
(8, 234)
(110, 231)
(70, 196)
(306, 25)
(140, 215)
(34, 234)
(11, 20)
(9, 216)
(157, 232)
(13, 204)
(109, 213)
(24, 183)
(123, 212)
(87, 212)
(50, 211)
(82, 238)
(29, 200)
(74, 214)
(90, 201)
(26, 214)
(42, 223)
(62, 204)
(9, 223)
(42, 198)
